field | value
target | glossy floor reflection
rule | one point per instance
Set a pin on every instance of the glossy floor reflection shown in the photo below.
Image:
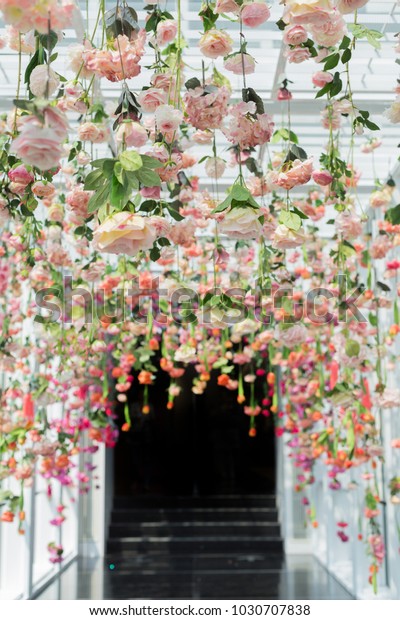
(202, 577)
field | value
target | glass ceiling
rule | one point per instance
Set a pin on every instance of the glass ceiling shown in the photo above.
(373, 78)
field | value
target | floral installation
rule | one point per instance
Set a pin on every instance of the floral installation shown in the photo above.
(137, 225)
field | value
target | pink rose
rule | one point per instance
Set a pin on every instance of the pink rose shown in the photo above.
(38, 146)
(151, 192)
(168, 119)
(292, 336)
(215, 43)
(163, 81)
(322, 177)
(124, 233)
(235, 64)
(348, 224)
(348, 6)
(321, 78)
(88, 131)
(295, 35)
(255, 14)
(284, 95)
(285, 238)
(166, 31)
(21, 176)
(297, 55)
(132, 134)
(43, 190)
(329, 32)
(151, 98)
(307, 12)
(226, 6)
(299, 174)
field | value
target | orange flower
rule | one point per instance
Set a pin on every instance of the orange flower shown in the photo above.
(241, 399)
(7, 516)
(125, 427)
(145, 409)
(117, 372)
(252, 432)
(170, 405)
(271, 378)
(145, 377)
(62, 461)
(223, 380)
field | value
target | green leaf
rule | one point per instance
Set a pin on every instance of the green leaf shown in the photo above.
(345, 43)
(371, 126)
(192, 83)
(396, 312)
(331, 61)
(99, 198)
(155, 253)
(150, 162)
(148, 205)
(175, 214)
(291, 220)
(302, 215)
(346, 56)
(372, 318)
(131, 160)
(383, 287)
(284, 134)
(352, 348)
(324, 90)
(148, 178)
(393, 215)
(92, 179)
(296, 152)
(49, 40)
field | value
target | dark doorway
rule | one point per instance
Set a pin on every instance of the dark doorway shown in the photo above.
(200, 447)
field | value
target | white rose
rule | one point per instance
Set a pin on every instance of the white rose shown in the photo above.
(215, 167)
(241, 223)
(185, 354)
(43, 81)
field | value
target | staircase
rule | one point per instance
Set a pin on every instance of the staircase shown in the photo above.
(194, 547)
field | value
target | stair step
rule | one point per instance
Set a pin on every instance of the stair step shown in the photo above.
(164, 528)
(249, 514)
(200, 562)
(196, 544)
(211, 501)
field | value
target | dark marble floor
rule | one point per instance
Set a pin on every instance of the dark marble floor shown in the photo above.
(200, 577)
